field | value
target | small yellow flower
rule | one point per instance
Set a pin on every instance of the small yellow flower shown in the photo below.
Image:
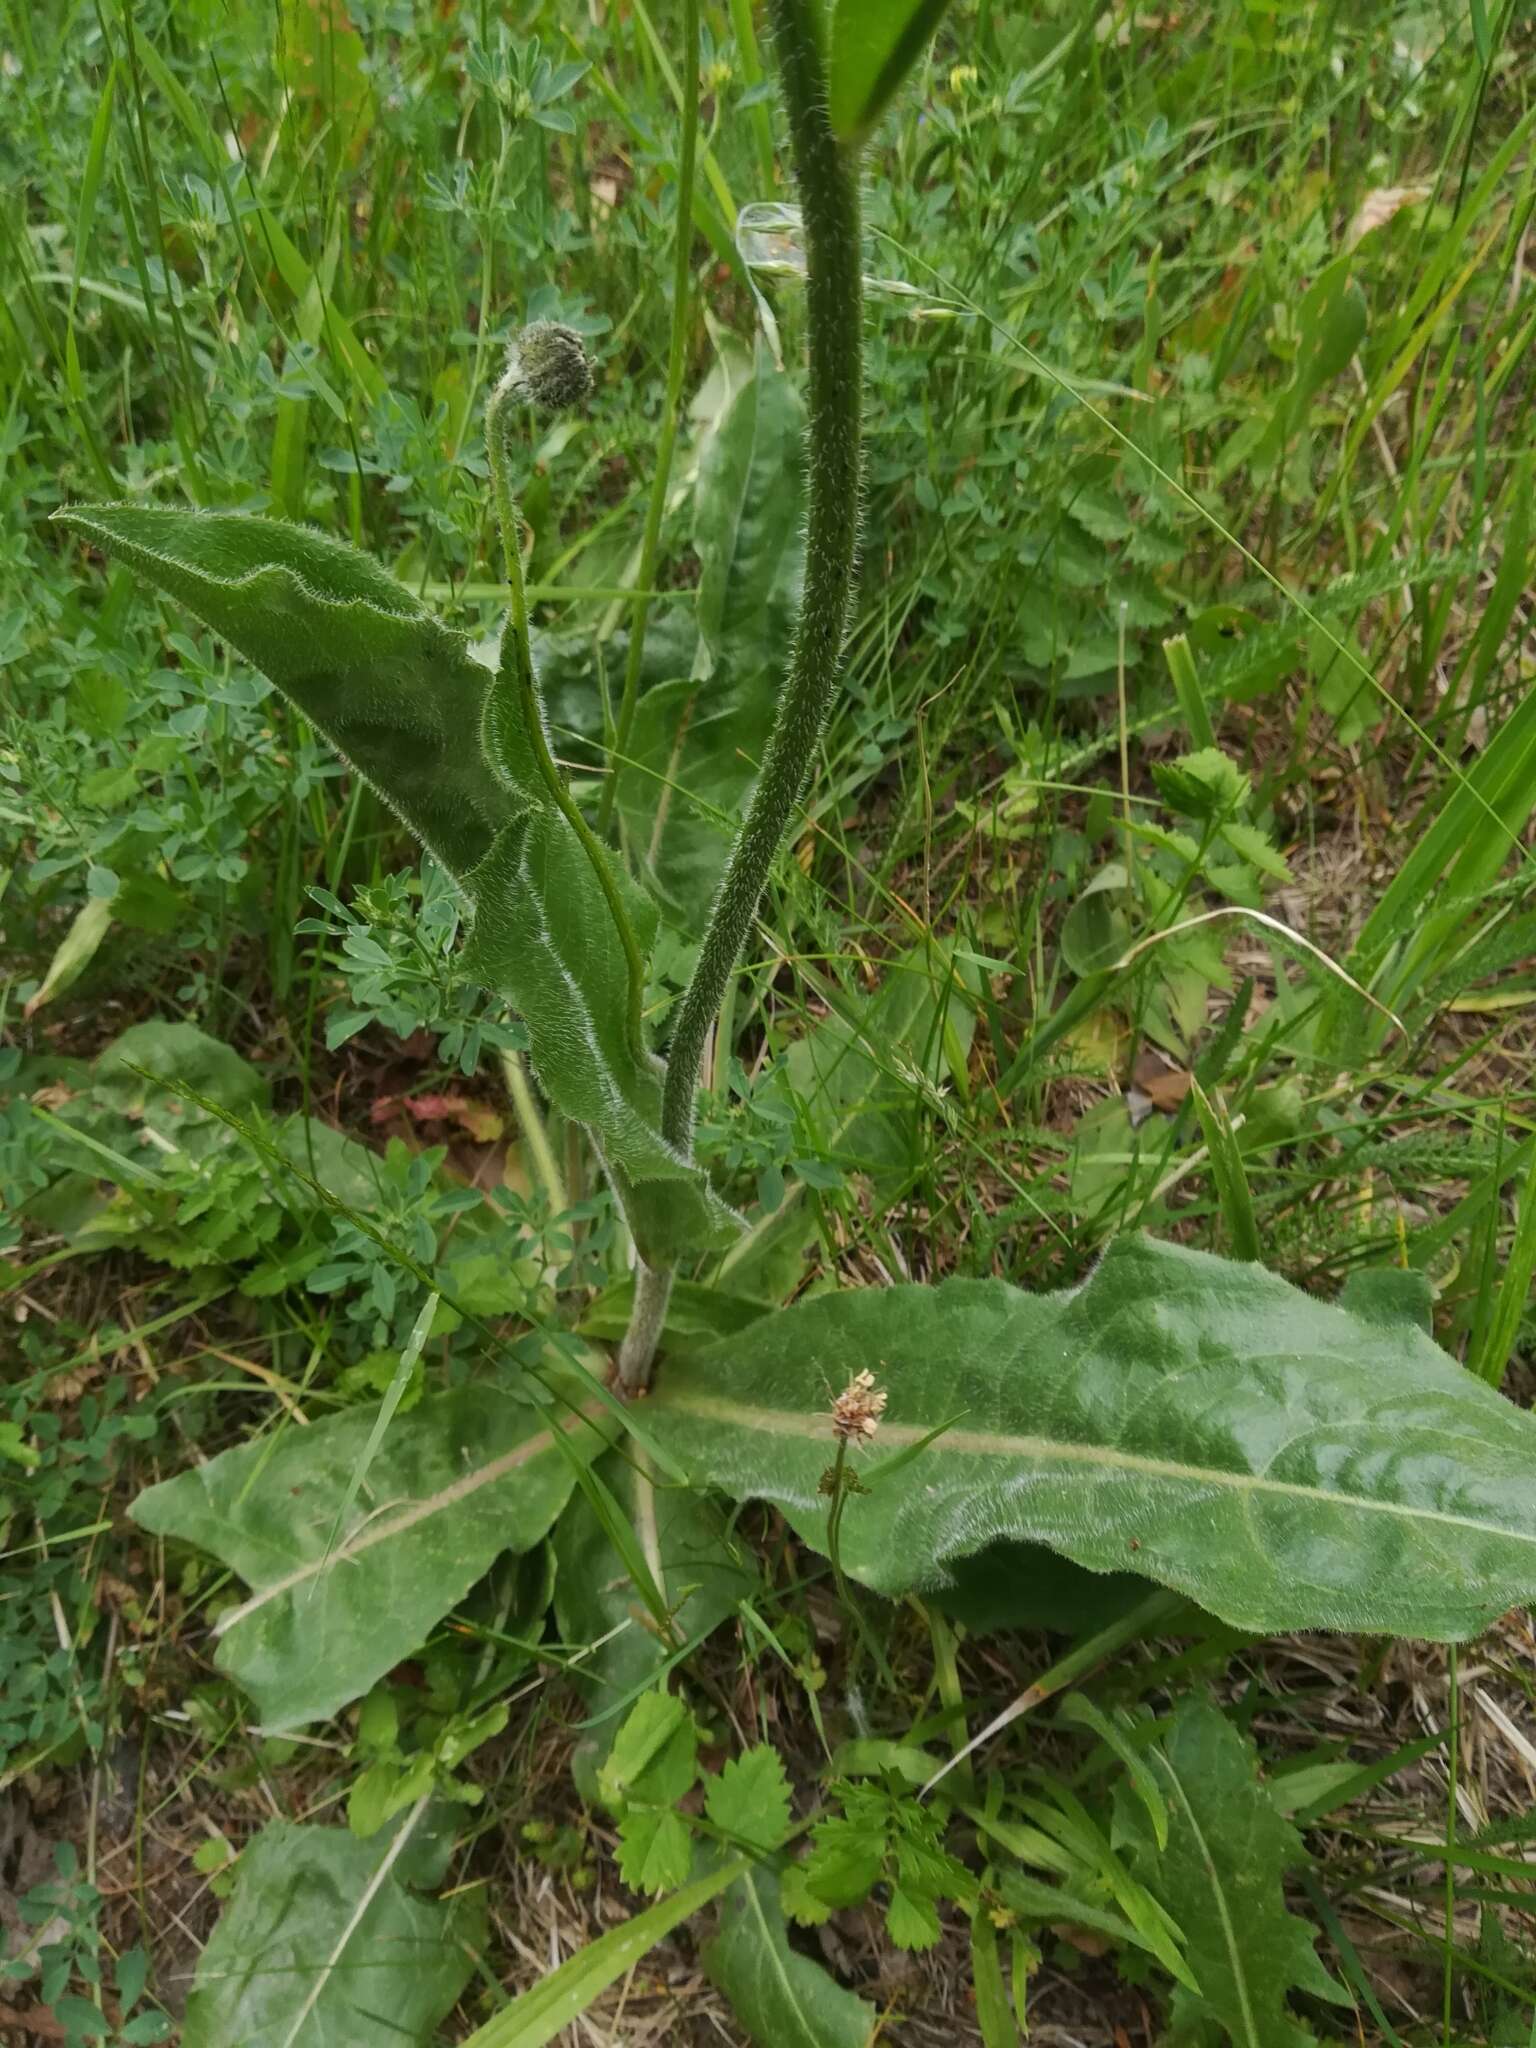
(962, 78)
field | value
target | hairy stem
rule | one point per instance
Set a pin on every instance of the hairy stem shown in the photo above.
(677, 359)
(637, 1354)
(517, 666)
(827, 176)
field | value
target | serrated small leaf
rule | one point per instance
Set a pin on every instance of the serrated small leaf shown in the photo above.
(327, 1939)
(750, 1798)
(1279, 1459)
(874, 44)
(782, 1998)
(911, 1920)
(461, 1478)
(655, 1850)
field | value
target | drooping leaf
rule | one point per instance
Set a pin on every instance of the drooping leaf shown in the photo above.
(450, 748)
(1222, 1878)
(698, 737)
(874, 44)
(327, 1939)
(461, 1478)
(1278, 1459)
(700, 1572)
(392, 689)
(782, 1998)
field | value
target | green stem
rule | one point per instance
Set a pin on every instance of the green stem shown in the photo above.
(647, 1319)
(677, 359)
(827, 176)
(517, 663)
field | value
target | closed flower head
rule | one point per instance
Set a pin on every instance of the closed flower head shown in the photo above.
(548, 366)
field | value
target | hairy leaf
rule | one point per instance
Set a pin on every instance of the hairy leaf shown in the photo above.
(326, 1940)
(392, 689)
(462, 1477)
(449, 747)
(875, 43)
(1222, 1877)
(1280, 1460)
(781, 1997)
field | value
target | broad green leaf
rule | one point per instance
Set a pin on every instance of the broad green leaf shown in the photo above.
(327, 1940)
(1278, 1459)
(462, 1477)
(782, 1998)
(537, 2016)
(700, 1571)
(177, 1055)
(1222, 1877)
(392, 689)
(874, 44)
(544, 935)
(543, 932)
(697, 740)
(399, 695)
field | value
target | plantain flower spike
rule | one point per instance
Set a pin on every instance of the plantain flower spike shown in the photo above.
(548, 367)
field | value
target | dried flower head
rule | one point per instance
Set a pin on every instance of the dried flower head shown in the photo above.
(857, 1410)
(548, 365)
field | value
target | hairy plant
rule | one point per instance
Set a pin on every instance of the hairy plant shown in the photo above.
(1271, 1460)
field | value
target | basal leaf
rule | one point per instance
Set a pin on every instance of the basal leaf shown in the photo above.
(461, 1478)
(1222, 1877)
(1280, 1460)
(782, 1998)
(391, 687)
(874, 44)
(327, 1939)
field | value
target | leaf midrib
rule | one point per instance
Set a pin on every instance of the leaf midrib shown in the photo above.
(989, 1444)
(378, 1532)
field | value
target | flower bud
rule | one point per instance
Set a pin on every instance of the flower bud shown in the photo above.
(548, 366)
